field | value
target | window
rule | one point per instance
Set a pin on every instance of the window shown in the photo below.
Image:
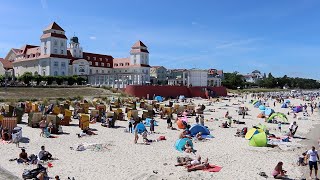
(102, 71)
(63, 64)
(108, 64)
(96, 63)
(81, 69)
(55, 73)
(90, 63)
(127, 64)
(106, 59)
(80, 51)
(102, 64)
(61, 51)
(134, 61)
(94, 58)
(55, 64)
(97, 71)
(88, 57)
(74, 51)
(100, 59)
(115, 65)
(55, 43)
(55, 51)
(90, 71)
(61, 43)
(62, 73)
(125, 70)
(121, 64)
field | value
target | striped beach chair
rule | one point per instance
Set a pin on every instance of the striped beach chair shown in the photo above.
(9, 122)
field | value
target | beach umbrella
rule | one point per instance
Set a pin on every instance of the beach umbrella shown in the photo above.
(254, 102)
(280, 117)
(158, 98)
(268, 111)
(262, 107)
(259, 140)
(180, 143)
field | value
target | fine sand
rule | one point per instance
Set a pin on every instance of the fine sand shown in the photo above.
(312, 140)
(125, 160)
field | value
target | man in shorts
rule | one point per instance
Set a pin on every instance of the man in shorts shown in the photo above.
(313, 157)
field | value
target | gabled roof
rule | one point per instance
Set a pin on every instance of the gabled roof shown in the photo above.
(6, 64)
(26, 47)
(55, 26)
(156, 67)
(139, 44)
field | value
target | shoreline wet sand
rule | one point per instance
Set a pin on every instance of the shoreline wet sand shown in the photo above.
(311, 140)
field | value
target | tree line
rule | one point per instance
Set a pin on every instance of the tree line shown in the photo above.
(27, 78)
(235, 81)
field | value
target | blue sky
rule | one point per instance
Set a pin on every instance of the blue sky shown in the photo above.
(282, 37)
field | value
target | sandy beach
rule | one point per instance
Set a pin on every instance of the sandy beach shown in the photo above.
(122, 159)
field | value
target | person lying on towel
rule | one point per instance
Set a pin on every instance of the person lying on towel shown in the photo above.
(199, 166)
(85, 132)
(187, 161)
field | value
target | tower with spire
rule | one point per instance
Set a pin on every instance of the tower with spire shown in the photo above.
(74, 47)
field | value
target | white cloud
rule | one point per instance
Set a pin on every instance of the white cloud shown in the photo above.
(194, 23)
(237, 43)
(92, 37)
(44, 4)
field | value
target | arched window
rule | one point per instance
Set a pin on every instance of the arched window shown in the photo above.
(62, 73)
(55, 73)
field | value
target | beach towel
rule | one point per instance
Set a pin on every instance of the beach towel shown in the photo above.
(213, 168)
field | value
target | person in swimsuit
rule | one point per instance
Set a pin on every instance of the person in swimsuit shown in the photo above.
(188, 148)
(278, 172)
(199, 166)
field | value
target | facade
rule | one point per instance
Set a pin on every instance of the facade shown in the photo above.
(191, 77)
(158, 75)
(197, 77)
(177, 77)
(253, 77)
(56, 57)
(5, 67)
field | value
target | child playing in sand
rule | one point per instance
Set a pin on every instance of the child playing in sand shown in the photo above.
(301, 160)
(188, 148)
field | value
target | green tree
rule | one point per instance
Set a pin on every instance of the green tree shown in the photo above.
(26, 77)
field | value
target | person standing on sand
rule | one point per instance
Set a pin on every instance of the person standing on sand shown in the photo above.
(152, 125)
(313, 157)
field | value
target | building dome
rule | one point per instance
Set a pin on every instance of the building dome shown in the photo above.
(74, 39)
(256, 72)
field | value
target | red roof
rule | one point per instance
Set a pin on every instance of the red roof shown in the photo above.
(55, 26)
(53, 35)
(6, 64)
(139, 44)
(26, 47)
